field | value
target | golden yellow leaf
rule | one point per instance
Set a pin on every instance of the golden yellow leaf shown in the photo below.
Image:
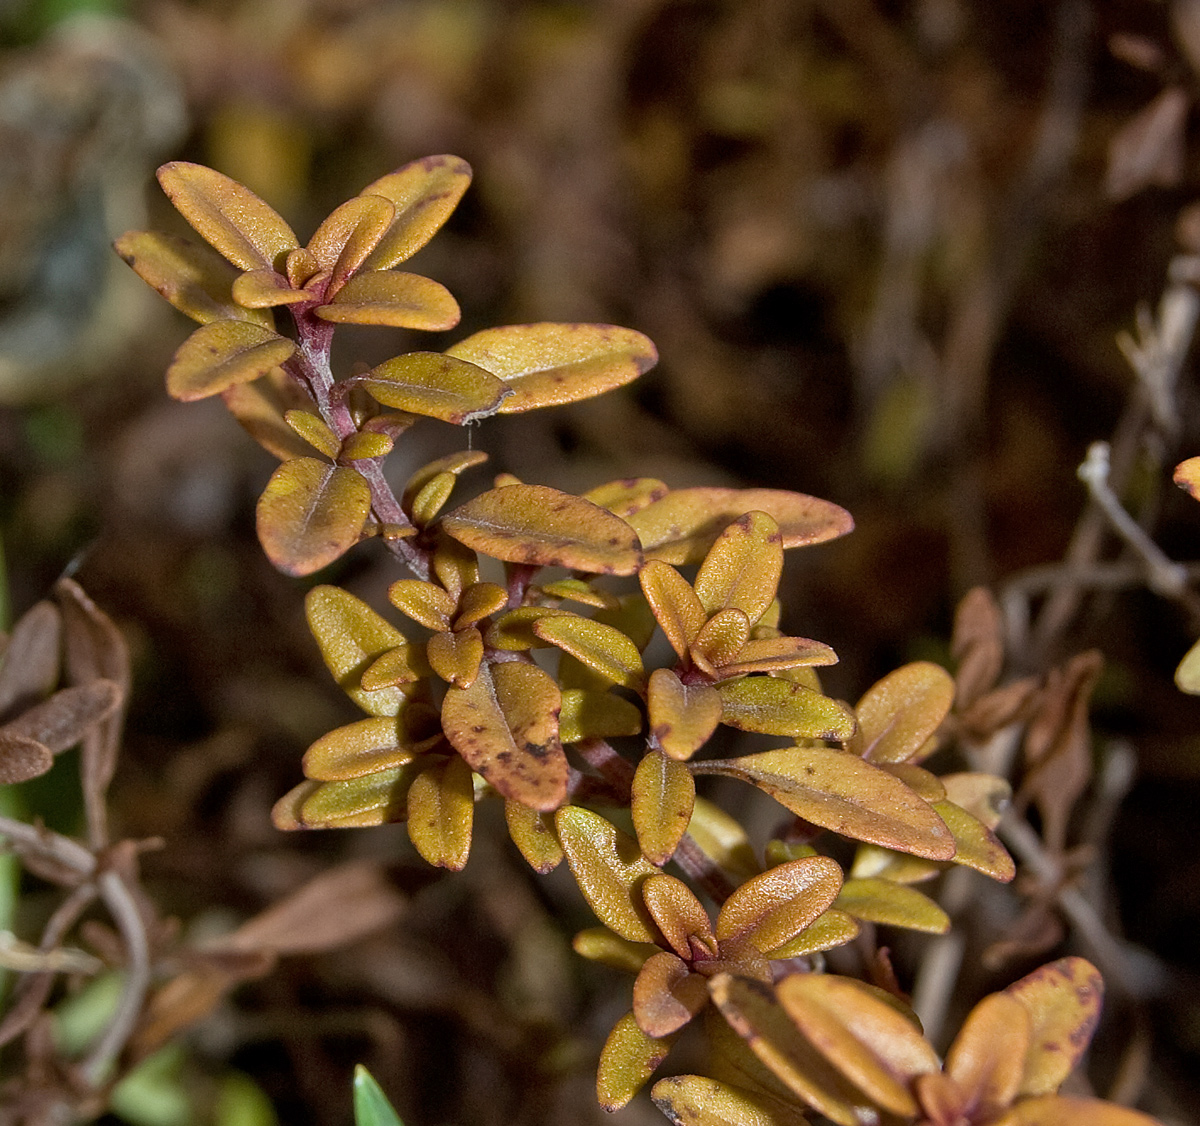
(588, 714)
(513, 632)
(541, 526)
(772, 706)
(693, 1100)
(976, 845)
(609, 869)
(682, 526)
(682, 716)
(777, 653)
(405, 664)
(666, 995)
(876, 900)
(506, 726)
(547, 365)
(723, 840)
(628, 1059)
(674, 604)
(455, 566)
(1059, 1110)
(1063, 1000)
(533, 833)
(454, 463)
(922, 783)
(431, 499)
(394, 299)
(1187, 674)
(987, 1058)
(441, 809)
(221, 355)
(264, 289)
(663, 795)
(678, 914)
(839, 791)
(191, 276)
(456, 655)
(599, 944)
(576, 590)
(229, 217)
(373, 799)
(424, 193)
(431, 384)
(628, 495)
(315, 431)
(344, 240)
(364, 747)
(424, 602)
(775, 906)
(831, 929)
(743, 566)
(479, 601)
(366, 445)
(1187, 476)
(351, 637)
(899, 713)
(602, 648)
(720, 640)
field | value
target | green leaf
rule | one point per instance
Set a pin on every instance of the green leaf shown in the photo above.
(628, 1059)
(395, 299)
(364, 747)
(230, 217)
(424, 193)
(532, 831)
(311, 513)
(599, 944)
(772, 706)
(434, 385)
(590, 714)
(355, 803)
(223, 354)
(541, 526)
(551, 364)
(371, 1107)
(885, 901)
(976, 846)
(839, 791)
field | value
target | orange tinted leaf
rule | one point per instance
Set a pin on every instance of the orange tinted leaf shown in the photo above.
(230, 217)
(599, 944)
(261, 407)
(720, 640)
(693, 1100)
(373, 799)
(628, 1059)
(478, 601)
(351, 637)
(533, 833)
(547, 365)
(841, 792)
(602, 648)
(191, 276)
(679, 915)
(976, 845)
(222, 354)
(829, 930)
(513, 631)
(627, 496)
(596, 715)
(1187, 476)
(743, 566)
(310, 514)
(394, 299)
(772, 706)
(358, 748)
(264, 289)
(609, 869)
(424, 193)
(900, 712)
(682, 526)
(456, 656)
(343, 241)
(431, 384)
(315, 431)
(441, 809)
(870, 1042)
(1063, 1000)
(987, 1057)
(666, 995)
(682, 716)
(576, 590)
(777, 653)
(424, 602)
(663, 794)
(541, 526)
(405, 664)
(1059, 1110)
(777, 905)
(506, 726)
(883, 901)
(752, 1012)
(674, 603)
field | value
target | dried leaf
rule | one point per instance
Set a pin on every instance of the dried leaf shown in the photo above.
(693, 1100)
(663, 795)
(441, 809)
(230, 217)
(666, 995)
(394, 299)
(61, 721)
(541, 526)
(191, 276)
(682, 526)
(984, 796)
(841, 792)
(900, 713)
(772, 908)
(548, 365)
(869, 1041)
(609, 869)
(506, 726)
(602, 648)
(628, 1059)
(682, 716)
(424, 193)
(977, 645)
(1063, 1000)
(743, 567)
(883, 901)
(22, 758)
(1148, 149)
(311, 513)
(772, 706)
(533, 833)
(30, 660)
(987, 1057)
(674, 603)
(223, 354)
(351, 637)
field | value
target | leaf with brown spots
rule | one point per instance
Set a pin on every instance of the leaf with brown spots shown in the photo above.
(543, 527)
(441, 809)
(629, 1057)
(682, 716)
(506, 727)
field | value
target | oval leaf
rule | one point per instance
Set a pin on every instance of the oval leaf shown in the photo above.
(547, 365)
(589, 714)
(900, 713)
(693, 1100)
(742, 569)
(533, 833)
(311, 513)
(975, 845)
(663, 795)
(424, 194)
(1059, 1110)
(682, 716)
(884, 901)
(679, 915)
(357, 749)
(223, 354)
(772, 706)
(987, 1057)
(343, 241)
(394, 299)
(374, 799)
(674, 603)
(506, 726)
(666, 995)
(541, 526)
(431, 384)
(628, 1059)
(441, 808)
(602, 648)
(777, 905)
(839, 791)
